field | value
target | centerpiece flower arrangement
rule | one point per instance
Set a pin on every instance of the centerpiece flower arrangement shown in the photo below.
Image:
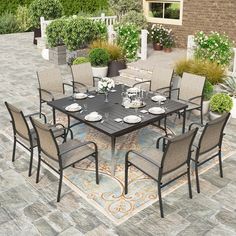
(105, 85)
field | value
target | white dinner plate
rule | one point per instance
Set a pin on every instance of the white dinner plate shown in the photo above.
(93, 118)
(158, 98)
(132, 119)
(73, 108)
(80, 95)
(156, 110)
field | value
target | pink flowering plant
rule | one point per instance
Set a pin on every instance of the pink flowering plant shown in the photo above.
(214, 47)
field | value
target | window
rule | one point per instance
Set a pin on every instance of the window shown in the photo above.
(164, 11)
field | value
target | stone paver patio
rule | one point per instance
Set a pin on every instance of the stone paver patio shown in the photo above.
(27, 208)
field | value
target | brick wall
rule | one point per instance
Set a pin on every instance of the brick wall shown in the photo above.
(206, 15)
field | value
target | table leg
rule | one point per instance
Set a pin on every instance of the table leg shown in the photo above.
(113, 160)
(184, 121)
(54, 116)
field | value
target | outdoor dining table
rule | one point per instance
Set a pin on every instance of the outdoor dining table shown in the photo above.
(115, 109)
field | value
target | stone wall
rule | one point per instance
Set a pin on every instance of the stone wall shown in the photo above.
(206, 15)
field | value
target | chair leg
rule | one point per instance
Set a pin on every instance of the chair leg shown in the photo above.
(201, 116)
(59, 188)
(189, 184)
(126, 176)
(31, 161)
(96, 166)
(14, 150)
(160, 200)
(220, 163)
(40, 109)
(38, 169)
(54, 116)
(197, 178)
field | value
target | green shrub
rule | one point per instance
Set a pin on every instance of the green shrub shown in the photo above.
(80, 60)
(128, 40)
(23, 18)
(73, 7)
(55, 32)
(207, 90)
(214, 47)
(12, 5)
(79, 32)
(8, 23)
(221, 102)
(211, 70)
(114, 50)
(49, 9)
(99, 57)
(136, 18)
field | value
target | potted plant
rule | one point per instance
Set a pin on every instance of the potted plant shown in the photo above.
(168, 40)
(49, 9)
(80, 60)
(219, 104)
(55, 35)
(117, 61)
(229, 85)
(99, 58)
(157, 32)
(207, 94)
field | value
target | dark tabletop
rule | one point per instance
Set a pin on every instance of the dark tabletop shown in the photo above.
(115, 110)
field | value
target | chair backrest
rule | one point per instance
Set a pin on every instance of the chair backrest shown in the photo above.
(83, 73)
(19, 122)
(161, 78)
(212, 134)
(46, 140)
(50, 80)
(191, 86)
(178, 152)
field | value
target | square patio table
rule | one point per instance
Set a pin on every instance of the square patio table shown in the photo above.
(115, 109)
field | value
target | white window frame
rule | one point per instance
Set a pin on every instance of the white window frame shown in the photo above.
(163, 20)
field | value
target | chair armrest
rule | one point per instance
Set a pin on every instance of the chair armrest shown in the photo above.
(78, 146)
(37, 113)
(142, 82)
(45, 91)
(144, 157)
(83, 85)
(164, 138)
(195, 123)
(193, 98)
(66, 84)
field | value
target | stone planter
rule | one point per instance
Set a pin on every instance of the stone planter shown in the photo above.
(168, 50)
(57, 55)
(157, 46)
(115, 66)
(233, 111)
(71, 55)
(100, 72)
(205, 109)
(37, 34)
(214, 115)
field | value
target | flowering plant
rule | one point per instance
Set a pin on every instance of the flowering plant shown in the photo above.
(158, 32)
(168, 39)
(128, 40)
(105, 84)
(214, 47)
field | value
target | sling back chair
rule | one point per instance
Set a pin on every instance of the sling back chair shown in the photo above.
(51, 87)
(164, 167)
(61, 156)
(190, 92)
(208, 145)
(83, 79)
(26, 136)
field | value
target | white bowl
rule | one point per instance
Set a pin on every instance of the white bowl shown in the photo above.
(80, 96)
(158, 98)
(73, 107)
(93, 116)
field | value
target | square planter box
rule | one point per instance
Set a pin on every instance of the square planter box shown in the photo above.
(57, 55)
(78, 53)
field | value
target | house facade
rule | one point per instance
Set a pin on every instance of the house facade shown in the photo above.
(186, 17)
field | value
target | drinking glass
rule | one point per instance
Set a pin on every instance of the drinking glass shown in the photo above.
(85, 106)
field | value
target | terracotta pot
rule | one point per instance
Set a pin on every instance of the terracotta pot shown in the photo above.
(157, 46)
(168, 50)
(115, 66)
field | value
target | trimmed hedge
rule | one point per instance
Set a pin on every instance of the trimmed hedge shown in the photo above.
(71, 7)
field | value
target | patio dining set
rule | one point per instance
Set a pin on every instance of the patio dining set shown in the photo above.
(169, 160)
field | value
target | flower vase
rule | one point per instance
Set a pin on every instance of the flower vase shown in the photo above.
(106, 96)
